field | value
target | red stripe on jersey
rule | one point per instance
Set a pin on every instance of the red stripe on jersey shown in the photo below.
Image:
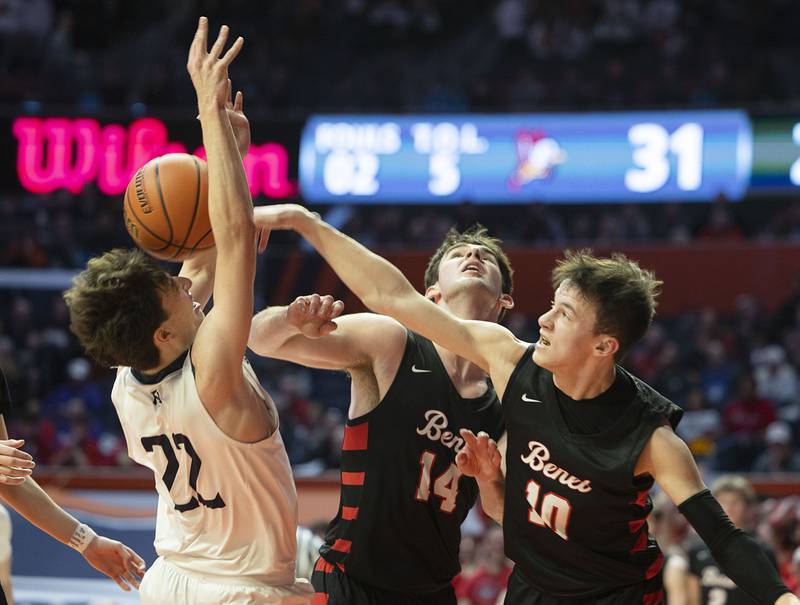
(319, 598)
(641, 498)
(342, 545)
(323, 566)
(653, 598)
(349, 513)
(634, 526)
(641, 543)
(355, 437)
(341, 566)
(352, 478)
(655, 567)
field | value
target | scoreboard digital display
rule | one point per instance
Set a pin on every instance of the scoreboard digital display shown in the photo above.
(521, 158)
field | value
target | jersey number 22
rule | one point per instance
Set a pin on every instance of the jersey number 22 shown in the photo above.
(173, 465)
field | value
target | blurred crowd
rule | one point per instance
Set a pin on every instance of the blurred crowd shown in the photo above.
(393, 55)
(63, 231)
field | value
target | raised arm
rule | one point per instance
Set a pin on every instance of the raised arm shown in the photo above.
(222, 338)
(200, 269)
(384, 289)
(668, 460)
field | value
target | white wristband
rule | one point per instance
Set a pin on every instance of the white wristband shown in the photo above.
(82, 537)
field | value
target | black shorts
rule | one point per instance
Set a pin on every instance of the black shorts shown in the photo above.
(3, 597)
(334, 587)
(520, 592)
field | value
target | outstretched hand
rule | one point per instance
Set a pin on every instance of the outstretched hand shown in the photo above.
(115, 560)
(209, 69)
(480, 457)
(314, 315)
(15, 465)
(278, 217)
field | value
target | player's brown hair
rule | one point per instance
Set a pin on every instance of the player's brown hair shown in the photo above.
(477, 235)
(115, 307)
(623, 293)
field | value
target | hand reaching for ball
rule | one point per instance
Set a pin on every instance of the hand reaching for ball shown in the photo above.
(239, 121)
(209, 69)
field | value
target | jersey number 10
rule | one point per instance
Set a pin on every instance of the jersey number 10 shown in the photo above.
(173, 465)
(554, 512)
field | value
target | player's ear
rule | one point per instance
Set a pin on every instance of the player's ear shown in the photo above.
(606, 345)
(506, 302)
(161, 336)
(433, 293)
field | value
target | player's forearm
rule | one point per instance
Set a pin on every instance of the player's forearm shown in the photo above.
(493, 498)
(230, 207)
(200, 269)
(270, 330)
(33, 503)
(377, 282)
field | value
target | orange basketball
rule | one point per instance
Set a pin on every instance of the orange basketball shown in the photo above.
(166, 207)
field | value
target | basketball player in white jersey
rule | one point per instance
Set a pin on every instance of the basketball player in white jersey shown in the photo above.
(191, 408)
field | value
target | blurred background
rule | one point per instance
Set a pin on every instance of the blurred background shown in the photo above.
(667, 129)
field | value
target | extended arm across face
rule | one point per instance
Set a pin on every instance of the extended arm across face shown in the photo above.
(384, 289)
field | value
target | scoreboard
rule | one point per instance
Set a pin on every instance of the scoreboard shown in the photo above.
(521, 158)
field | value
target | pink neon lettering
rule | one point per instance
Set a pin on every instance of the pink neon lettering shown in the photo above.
(61, 153)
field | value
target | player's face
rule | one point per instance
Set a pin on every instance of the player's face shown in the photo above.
(468, 266)
(566, 331)
(734, 506)
(184, 315)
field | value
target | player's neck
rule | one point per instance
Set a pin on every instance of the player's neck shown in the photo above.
(586, 382)
(463, 373)
(471, 307)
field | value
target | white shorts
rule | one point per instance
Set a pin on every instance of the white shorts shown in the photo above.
(166, 584)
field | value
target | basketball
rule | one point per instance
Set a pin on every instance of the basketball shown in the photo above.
(166, 207)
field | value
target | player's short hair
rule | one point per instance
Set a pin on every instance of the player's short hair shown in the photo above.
(735, 484)
(477, 235)
(624, 294)
(115, 308)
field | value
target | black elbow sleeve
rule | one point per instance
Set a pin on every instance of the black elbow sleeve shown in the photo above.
(736, 553)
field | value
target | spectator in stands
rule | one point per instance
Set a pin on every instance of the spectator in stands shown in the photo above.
(485, 584)
(746, 418)
(780, 455)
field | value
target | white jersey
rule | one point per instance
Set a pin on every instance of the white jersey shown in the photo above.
(225, 508)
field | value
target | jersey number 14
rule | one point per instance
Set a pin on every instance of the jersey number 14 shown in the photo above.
(445, 486)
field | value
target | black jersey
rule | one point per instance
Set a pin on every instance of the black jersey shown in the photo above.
(575, 515)
(717, 588)
(402, 497)
(5, 395)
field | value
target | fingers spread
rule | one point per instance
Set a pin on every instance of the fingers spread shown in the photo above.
(200, 41)
(219, 44)
(232, 51)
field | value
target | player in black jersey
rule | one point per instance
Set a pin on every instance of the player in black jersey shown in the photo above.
(395, 538)
(704, 583)
(586, 440)
(23, 494)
